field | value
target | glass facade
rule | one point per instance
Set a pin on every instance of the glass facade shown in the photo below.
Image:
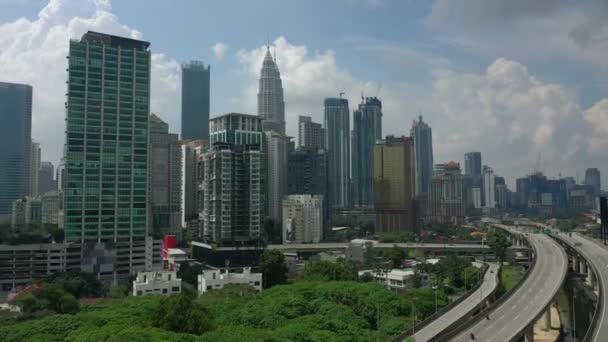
(195, 101)
(15, 141)
(107, 138)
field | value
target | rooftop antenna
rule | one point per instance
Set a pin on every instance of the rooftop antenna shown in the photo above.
(275, 53)
(362, 97)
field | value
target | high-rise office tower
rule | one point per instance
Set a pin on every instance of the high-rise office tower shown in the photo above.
(106, 154)
(447, 200)
(367, 129)
(302, 219)
(307, 172)
(310, 134)
(15, 139)
(233, 193)
(337, 138)
(593, 179)
(35, 156)
(489, 188)
(422, 134)
(472, 172)
(521, 189)
(165, 178)
(190, 177)
(394, 179)
(271, 106)
(275, 151)
(195, 101)
(472, 164)
(46, 177)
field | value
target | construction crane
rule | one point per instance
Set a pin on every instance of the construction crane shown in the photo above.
(341, 92)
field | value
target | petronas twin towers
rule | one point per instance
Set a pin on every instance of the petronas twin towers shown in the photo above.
(271, 106)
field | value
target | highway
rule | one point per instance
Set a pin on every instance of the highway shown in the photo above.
(598, 256)
(522, 308)
(490, 282)
(324, 246)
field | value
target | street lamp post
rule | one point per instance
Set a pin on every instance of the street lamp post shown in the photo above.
(574, 313)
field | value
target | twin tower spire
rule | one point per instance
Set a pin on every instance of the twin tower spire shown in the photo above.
(271, 105)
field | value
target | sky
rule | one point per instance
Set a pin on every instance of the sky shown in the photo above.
(524, 82)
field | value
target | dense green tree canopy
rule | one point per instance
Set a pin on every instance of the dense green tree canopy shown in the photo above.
(273, 268)
(303, 311)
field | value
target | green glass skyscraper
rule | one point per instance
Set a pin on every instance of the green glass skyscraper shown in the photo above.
(106, 152)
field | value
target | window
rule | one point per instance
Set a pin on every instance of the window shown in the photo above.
(175, 289)
(164, 291)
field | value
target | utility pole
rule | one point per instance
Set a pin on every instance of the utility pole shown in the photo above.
(574, 313)
(378, 322)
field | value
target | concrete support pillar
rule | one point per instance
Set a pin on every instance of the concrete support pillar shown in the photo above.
(575, 263)
(529, 334)
(583, 266)
(547, 319)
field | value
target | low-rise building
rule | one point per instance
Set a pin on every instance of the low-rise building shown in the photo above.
(20, 264)
(396, 278)
(52, 206)
(154, 283)
(302, 218)
(218, 279)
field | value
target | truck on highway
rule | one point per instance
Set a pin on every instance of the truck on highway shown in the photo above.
(577, 244)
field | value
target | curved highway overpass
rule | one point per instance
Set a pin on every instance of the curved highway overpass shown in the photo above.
(451, 317)
(596, 254)
(519, 312)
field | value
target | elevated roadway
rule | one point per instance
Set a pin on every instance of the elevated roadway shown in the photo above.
(516, 315)
(467, 306)
(336, 246)
(597, 255)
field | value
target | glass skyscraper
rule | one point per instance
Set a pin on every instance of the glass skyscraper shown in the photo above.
(423, 151)
(15, 142)
(106, 152)
(195, 101)
(367, 129)
(337, 137)
(271, 106)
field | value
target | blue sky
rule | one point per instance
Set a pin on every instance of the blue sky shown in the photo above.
(509, 78)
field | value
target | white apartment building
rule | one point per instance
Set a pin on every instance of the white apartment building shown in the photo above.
(397, 279)
(154, 283)
(302, 218)
(489, 189)
(218, 279)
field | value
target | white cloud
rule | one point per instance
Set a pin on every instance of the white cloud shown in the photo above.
(512, 117)
(569, 31)
(219, 50)
(597, 118)
(34, 52)
(307, 78)
(505, 112)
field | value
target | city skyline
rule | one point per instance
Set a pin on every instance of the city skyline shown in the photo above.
(307, 60)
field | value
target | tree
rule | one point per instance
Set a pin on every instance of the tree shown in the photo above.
(499, 243)
(339, 270)
(182, 314)
(119, 291)
(50, 292)
(189, 273)
(273, 268)
(68, 304)
(395, 256)
(28, 303)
